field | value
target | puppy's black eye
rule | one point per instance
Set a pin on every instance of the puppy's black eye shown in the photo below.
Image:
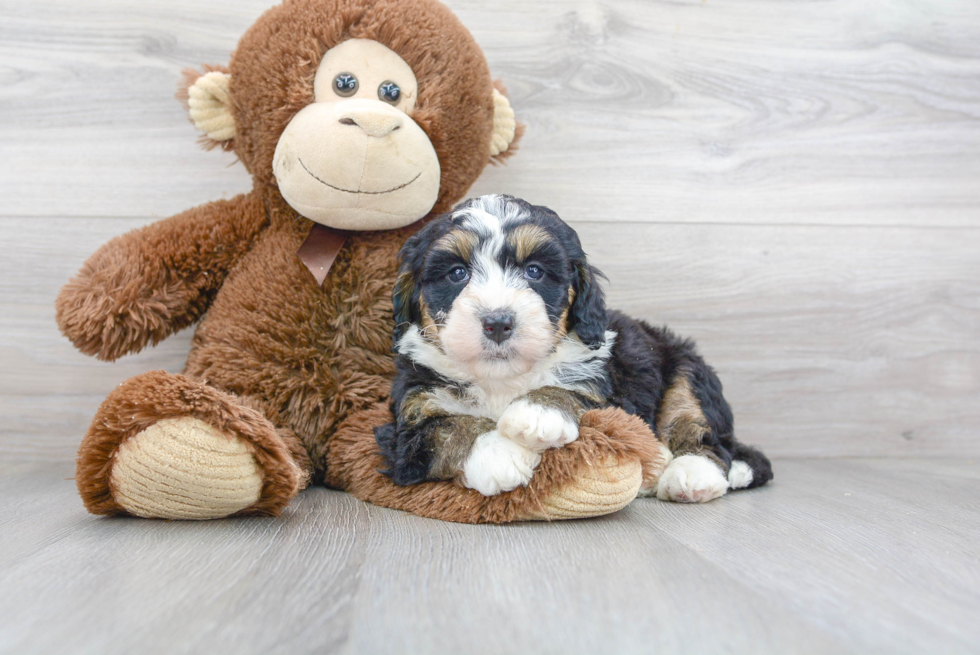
(345, 85)
(533, 272)
(458, 275)
(389, 92)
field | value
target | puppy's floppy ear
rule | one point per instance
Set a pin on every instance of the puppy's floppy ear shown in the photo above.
(405, 299)
(588, 312)
(405, 295)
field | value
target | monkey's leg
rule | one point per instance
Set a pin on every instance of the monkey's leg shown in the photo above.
(167, 446)
(597, 474)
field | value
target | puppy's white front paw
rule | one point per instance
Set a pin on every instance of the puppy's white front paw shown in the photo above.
(692, 479)
(496, 464)
(536, 427)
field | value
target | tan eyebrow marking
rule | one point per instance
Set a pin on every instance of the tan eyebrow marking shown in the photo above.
(460, 242)
(526, 239)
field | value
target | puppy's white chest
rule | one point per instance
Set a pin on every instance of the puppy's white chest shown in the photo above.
(487, 399)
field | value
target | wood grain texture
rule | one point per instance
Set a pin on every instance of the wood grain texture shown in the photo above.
(48, 390)
(830, 341)
(829, 112)
(837, 556)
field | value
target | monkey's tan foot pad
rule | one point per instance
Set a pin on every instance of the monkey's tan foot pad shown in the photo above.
(607, 487)
(195, 452)
(184, 468)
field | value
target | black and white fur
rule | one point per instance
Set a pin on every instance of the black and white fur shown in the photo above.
(504, 341)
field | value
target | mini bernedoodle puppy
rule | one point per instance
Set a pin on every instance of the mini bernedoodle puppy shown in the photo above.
(504, 341)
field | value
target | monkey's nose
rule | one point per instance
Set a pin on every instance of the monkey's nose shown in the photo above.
(498, 326)
(374, 123)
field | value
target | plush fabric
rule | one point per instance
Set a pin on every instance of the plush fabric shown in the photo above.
(145, 400)
(599, 473)
(185, 468)
(208, 101)
(280, 54)
(299, 371)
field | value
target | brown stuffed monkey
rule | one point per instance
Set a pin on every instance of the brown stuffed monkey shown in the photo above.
(356, 119)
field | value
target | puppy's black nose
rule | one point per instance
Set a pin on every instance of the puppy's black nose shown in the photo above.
(498, 326)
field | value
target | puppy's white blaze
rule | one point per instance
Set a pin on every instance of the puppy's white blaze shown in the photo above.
(566, 367)
(489, 214)
(536, 427)
(497, 204)
(496, 464)
(691, 479)
(739, 475)
(486, 271)
(484, 223)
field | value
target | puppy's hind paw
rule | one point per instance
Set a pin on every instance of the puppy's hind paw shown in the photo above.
(692, 479)
(536, 427)
(496, 464)
(740, 475)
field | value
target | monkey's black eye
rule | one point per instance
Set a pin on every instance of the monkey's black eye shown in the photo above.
(345, 85)
(458, 275)
(533, 272)
(389, 92)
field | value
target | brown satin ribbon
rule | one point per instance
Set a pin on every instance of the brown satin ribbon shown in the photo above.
(320, 250)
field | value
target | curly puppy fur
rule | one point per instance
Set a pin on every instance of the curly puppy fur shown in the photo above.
(500, 312)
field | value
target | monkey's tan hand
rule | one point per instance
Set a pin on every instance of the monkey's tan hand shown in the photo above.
(537, 427)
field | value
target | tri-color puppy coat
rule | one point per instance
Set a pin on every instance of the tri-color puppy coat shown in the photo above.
(504, 341)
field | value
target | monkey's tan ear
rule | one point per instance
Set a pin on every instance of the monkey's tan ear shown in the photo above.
(208, 102)
(506, 130)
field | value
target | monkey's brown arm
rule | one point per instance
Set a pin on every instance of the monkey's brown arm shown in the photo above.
(143, 286)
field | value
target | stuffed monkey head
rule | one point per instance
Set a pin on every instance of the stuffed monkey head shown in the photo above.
(361, 114)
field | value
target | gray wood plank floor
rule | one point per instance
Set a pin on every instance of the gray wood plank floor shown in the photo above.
(838, 556)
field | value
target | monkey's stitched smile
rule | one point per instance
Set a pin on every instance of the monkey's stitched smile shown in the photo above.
(369, 193)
